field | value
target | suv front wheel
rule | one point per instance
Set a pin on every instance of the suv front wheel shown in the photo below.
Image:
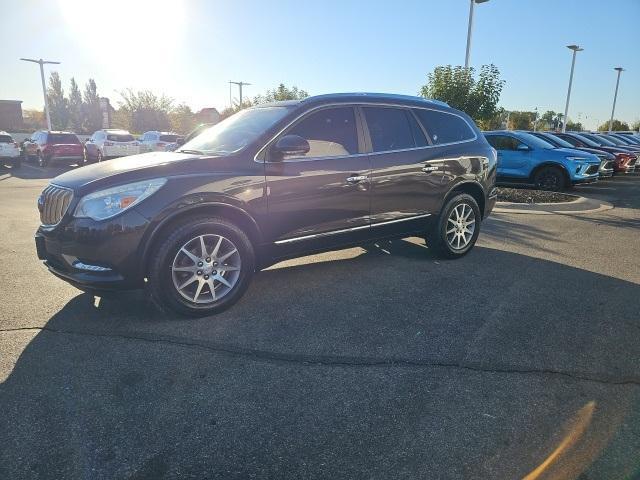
(203, 268)
(456, 229)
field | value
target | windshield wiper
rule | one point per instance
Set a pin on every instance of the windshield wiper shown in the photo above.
(196, 152)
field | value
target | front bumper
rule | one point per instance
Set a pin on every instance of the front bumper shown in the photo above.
(490, 203)
(95, 255)
(585, 173)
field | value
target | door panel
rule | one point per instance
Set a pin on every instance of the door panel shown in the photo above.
(311, 197)
(324, 190)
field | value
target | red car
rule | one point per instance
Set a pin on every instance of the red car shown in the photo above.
(49, 146)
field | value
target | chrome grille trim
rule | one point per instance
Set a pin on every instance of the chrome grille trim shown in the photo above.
(55, 201)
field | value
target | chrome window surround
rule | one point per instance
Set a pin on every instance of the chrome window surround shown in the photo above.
(346, 230)
(359, 104)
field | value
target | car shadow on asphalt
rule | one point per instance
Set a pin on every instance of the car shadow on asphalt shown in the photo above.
(32, 172)
(340, 367)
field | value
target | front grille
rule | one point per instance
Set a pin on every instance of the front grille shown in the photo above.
(592, 169)
(53, 204)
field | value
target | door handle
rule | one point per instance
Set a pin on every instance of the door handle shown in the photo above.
(356, 179)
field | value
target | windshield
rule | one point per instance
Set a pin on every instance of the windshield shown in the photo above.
(598, 139)
(583, 138)
(532, 140)
(62, 138)
(168, 138)
(237, 131)
(615, 140)
(556, 140)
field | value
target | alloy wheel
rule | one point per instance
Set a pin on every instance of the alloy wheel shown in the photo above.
(206, 268)
(460, 226)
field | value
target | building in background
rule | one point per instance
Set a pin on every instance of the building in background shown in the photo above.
(208, 115)
(11, 115)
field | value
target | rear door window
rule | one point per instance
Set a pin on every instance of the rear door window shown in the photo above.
(389, 128)
(331, 132)
(503, 142)
(6, 139)
(444, 127)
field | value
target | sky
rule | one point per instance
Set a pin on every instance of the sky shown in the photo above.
(190, 49)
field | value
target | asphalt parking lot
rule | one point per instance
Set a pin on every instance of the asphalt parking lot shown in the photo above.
(521, 360)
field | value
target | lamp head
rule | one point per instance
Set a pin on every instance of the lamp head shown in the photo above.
(575, 48)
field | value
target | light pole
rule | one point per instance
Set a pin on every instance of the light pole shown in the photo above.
(44, 85)
(575, 49)
(615, 97)
(535, 118)
(470, 30)
(240, 85)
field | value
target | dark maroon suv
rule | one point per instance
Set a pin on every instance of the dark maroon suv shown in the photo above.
(271, 182)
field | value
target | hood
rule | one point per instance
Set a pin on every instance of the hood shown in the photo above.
(131, 169)
(572, 152)
(598, 152)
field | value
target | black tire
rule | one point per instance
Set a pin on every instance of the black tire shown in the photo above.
(42, 161)
(437, 237)
(161, 286)
(550, 178)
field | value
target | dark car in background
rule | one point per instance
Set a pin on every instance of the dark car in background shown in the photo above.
(270, 182)
(49, 147)
(607, 160)
(625, 160)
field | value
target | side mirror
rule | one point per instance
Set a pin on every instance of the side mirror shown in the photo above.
(522, 148)
(290, 145)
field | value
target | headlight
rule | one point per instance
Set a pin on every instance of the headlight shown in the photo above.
(577, 159)
(107, 203)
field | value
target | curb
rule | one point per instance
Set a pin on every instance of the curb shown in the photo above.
(578, 206)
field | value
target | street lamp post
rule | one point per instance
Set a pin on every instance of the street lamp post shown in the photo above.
(44, 86)
(575, 49)
(470, 29)
(615, 97)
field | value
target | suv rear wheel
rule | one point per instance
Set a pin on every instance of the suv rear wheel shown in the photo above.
(203, 268)
(457, 228)
(550, 178)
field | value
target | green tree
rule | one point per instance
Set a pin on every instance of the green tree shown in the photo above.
(280, 93)
(182, 119)
(146, 110)
(75, 107)
(574, 126)
(58, 104)
(550, 120)
(478, 97)
(616, 126)
(521, 120)
(91, 112)
(636, 126)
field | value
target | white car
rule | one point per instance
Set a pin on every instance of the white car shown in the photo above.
(110, 143)
(158, 141)
(9, 150)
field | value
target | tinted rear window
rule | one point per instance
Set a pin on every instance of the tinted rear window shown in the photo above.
(120, 137)
(444, 127)
(6, 139)
(62, 138)
(168, 138)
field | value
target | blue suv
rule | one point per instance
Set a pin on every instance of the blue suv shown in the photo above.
(525, 158)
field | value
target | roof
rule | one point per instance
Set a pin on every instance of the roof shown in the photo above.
(10, 101)
(358, 97)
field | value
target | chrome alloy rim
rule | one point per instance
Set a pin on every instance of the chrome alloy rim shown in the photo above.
(460, 226)
(206, 268)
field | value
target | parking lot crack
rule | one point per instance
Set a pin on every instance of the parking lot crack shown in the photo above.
(336, 360)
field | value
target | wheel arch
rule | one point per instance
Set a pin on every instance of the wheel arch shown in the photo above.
(471, 188)
(229, 212)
